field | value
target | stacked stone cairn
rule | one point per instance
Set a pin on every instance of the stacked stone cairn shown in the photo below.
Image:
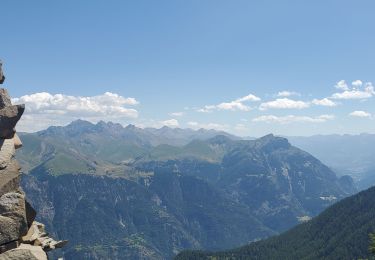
(21, 237)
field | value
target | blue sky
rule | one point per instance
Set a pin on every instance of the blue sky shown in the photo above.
(191, 63)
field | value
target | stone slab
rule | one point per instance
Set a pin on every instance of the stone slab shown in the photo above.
(24, 252)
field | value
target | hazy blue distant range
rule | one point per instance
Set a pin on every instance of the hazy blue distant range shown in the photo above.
(128, 193)
(352, 155)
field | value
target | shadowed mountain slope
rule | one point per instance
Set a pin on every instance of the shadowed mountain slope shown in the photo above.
(340, 232)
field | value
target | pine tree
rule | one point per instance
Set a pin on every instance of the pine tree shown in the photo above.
(372, 243)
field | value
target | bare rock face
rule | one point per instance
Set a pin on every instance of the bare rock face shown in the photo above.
(2, 77)
(10, 178)
(20, 236)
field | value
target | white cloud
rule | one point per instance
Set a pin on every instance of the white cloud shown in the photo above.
(249, 97)
(178, 114)
(292, 118)
(235, 105)
(359, 113)
(324, 102)
(284, 103)
(357, 83)
(215, 126)
(171, 123)
(286, 93)
(357, 91)
(342, 85)
(45, 109)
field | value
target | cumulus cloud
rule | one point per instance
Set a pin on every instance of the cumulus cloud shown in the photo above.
(286, 93)
(359, 113)
(45, 109)
(342, 85)
(249, 97)
(324, 102)
(292, 118)
(284, 103)
(235, 105)
(358, 90)
(357, 83)
(171, 123)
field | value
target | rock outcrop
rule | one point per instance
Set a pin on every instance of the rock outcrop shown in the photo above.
(2, 77)
(20, 236)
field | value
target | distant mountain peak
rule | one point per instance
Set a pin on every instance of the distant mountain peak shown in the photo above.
(109, 126)
(130, 126)
(271, 141)
(80, 123)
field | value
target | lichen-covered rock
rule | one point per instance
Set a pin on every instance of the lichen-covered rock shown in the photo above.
(25, 252)
(5, 100)
(13, 223)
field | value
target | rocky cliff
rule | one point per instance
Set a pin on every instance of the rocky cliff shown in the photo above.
(20, 236)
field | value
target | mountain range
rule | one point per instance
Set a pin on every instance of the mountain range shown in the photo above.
(129, 193)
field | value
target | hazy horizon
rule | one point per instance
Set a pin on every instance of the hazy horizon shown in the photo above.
(195, 129)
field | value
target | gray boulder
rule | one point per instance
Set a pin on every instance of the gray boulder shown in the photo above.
(13, 222)
(9, 117)
(37, 236)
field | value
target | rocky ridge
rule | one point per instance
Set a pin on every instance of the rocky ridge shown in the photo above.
(20, 236)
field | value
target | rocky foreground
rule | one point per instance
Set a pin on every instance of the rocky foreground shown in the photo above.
(20, 236)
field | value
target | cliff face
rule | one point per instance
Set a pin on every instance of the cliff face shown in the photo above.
(114, 218)
(20, 236)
